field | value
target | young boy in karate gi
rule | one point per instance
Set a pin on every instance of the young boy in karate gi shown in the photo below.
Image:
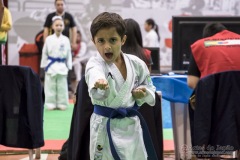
(56, 60)
(116, 81)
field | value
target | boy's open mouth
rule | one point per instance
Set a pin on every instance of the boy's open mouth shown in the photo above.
(109, 55)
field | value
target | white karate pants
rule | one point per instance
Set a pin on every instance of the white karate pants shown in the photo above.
(56, 91)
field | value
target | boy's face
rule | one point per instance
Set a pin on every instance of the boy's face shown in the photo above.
(58, 26)
(108, 43)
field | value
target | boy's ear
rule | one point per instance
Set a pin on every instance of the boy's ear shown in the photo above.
(124, 39)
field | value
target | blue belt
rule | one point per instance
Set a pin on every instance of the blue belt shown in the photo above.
(112, 113)
(53, 60)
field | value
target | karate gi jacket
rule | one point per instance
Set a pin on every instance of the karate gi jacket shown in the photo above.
(151, 39)
(127, 141)
(57, 47)
(79, 137)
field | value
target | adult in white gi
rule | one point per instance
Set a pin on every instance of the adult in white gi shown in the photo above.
(126, 132)
(56, 60)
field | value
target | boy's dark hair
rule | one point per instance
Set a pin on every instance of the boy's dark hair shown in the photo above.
(212, 28)
(108, 20)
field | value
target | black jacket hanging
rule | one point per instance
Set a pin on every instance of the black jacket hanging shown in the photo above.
(21, 108)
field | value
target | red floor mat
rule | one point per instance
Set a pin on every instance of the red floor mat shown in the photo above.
(56, 145)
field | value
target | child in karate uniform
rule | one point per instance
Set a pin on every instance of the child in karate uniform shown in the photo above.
(116, 83)
(56, 60)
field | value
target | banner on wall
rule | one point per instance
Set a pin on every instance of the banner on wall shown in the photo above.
(29, 16)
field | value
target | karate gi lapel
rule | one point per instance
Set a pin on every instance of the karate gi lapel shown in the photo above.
(125, 89)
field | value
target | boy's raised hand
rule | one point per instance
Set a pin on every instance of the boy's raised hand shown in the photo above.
(139, 93)
(101, 84)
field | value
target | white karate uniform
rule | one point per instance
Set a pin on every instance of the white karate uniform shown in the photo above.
(55, 85)
(151, 39)
(127, 132)
(81, 58)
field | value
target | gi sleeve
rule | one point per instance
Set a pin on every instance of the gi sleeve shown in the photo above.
(44, 61)
(146, 82)
(69, 56)
(94, 71)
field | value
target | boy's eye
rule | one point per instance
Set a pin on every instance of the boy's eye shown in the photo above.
(113, 40)
(100, 41)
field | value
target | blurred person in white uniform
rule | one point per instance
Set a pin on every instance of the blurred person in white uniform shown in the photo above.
(57, 61)
(152, 38)
(80, 58)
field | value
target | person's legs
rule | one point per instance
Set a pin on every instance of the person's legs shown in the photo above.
(62, 92)
(50, 89)
(3, 54)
